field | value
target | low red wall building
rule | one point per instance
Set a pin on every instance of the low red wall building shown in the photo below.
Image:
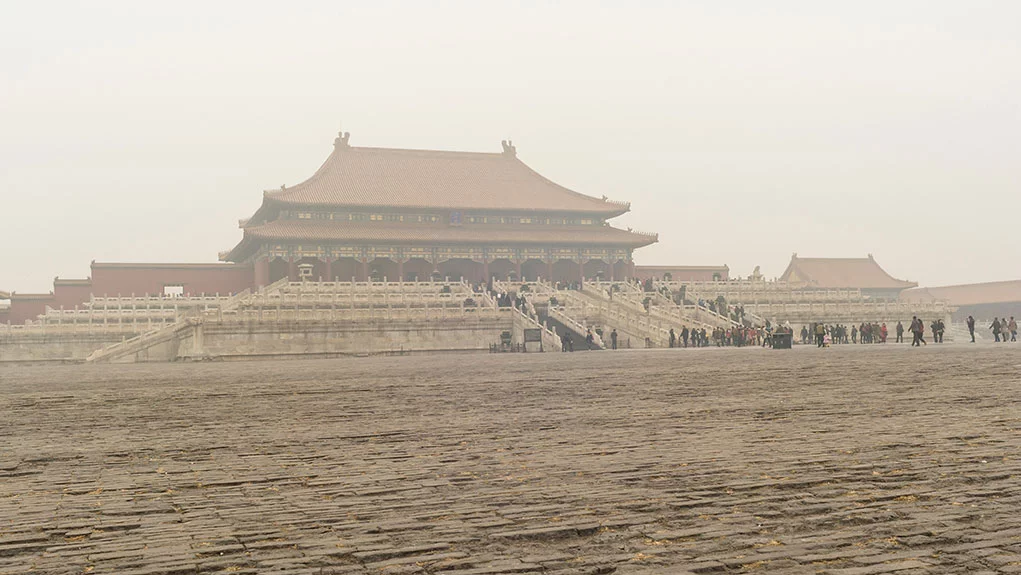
(69, 293)
(113, 279)
(27, 306)
(196, 279)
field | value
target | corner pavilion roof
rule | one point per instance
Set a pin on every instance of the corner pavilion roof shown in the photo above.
(831, 273)
(431, 179)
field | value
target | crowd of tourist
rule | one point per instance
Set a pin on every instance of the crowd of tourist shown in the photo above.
(1001, 328)
(722, 337)
(743, 333)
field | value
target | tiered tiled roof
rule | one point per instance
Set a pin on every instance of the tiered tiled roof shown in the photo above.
(394, 180)
(832, 273)
(430, 179)
(968, 294)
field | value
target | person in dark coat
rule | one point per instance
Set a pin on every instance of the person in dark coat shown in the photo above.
(996, 329)
(916, 331)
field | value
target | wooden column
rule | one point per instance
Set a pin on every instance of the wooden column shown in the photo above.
(400, 269)
(365, 270)
(485, 271)
(549, 270)
(517, 269)
(292, 269)
(329, 269)
(261, 272)
(581, 272)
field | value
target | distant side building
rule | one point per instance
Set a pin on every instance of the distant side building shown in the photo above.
(126, 279)
(844, 273)
(982, 300)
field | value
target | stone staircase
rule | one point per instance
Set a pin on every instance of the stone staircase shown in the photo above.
(629, 322)
(562, 322)
(660, 307)
(143, 345)
(167, 334)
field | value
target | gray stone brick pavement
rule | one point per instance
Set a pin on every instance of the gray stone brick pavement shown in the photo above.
(845, 461)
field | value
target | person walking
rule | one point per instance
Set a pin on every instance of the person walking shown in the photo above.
(900, 332)
(820, 335)
(673, 338)
(971, 328)
(1012, 328)
(995, 326)
(613, 338)
(684, 335)
(914, 329)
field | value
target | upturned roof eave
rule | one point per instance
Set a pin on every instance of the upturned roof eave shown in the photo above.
(611, 211)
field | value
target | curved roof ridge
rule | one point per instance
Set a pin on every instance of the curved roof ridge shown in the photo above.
(566, 189)
(442, 179)
(315, 175)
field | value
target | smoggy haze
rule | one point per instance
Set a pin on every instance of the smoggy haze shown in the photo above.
(143, 132)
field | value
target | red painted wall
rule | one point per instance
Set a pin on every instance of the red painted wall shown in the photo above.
(197, 279)
(70, 293)
(28, 307)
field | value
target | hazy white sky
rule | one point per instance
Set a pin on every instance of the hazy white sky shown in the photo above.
(740, 131)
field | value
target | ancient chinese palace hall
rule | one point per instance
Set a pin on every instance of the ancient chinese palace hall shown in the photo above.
(375, 213)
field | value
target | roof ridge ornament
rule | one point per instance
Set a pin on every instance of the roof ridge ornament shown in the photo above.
(509, 149)
(341, 140)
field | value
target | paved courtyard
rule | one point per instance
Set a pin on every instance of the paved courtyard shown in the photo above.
(849, 460)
